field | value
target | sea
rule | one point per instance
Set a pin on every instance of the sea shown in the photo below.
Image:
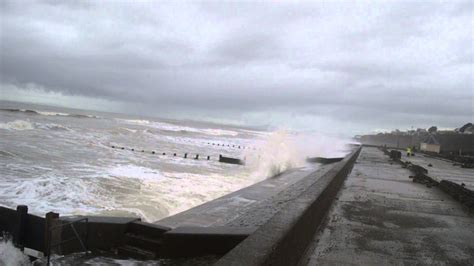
(82, 162)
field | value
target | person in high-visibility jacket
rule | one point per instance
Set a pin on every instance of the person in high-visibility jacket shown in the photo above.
(408, 151)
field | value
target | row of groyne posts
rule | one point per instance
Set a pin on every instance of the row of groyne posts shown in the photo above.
(457, 191)
(38, 236)
(222, 159)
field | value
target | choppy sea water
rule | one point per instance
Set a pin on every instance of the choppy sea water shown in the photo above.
(63, 160)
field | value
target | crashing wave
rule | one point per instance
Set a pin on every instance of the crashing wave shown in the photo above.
(134, 171)
(17, 125)
(51, 126)
(27, 125)
(47, 113)
(183, 129)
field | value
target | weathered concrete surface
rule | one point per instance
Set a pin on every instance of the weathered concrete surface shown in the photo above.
(382, 217)
(201, 241)
(442, 169)
(283, 239)
(250, 206)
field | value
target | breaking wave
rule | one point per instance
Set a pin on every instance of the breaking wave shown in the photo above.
(136, 172)
(65, 195)
(276, 154)
(27, 125)
(47, 113)
(17, 125)
(51, 126)
(176, 128)
(282, 150)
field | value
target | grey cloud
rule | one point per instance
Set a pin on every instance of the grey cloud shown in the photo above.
(247, 48)
(364, 62)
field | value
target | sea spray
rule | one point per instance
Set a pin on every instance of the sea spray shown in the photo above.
(274, 155)
(10, 255)
(314, 144)
(282, 150)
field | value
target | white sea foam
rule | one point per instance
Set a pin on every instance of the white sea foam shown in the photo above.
(52, 113)
(181, 191)
(134, 121)
(65, 114)
(321, 145)
(49, 113)
(134, 171)
(131, 130)
(282, 150)
(275, 155)
(56, 193)
(51, 126)
(178, 128)
(10, 255)
(27, 125)
(17, 125)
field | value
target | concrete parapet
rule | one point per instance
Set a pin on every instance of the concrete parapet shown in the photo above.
(284, 238)
(323, 160)
(200, 241)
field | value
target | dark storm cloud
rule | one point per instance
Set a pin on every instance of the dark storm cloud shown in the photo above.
(374, 64)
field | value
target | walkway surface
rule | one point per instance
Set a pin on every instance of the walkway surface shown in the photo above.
(442, 169)
(381, 217)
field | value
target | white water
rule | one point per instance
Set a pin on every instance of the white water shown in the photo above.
(282, 150)
(10, 255)
(172, 127)
(17, 125)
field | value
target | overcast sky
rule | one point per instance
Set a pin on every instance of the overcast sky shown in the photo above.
(326, 66)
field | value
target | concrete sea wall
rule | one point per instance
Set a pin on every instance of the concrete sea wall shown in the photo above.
(280, 239)
(284, 238)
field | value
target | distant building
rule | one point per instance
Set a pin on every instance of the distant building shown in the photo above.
(430, 144)
(459, 141)
(466, 129)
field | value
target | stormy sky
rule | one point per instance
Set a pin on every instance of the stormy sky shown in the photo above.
(326, 66)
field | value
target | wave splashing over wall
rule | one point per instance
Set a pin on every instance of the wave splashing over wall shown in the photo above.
(282, 150)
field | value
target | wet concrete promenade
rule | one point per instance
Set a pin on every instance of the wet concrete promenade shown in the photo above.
(443, 169)
(381, 217)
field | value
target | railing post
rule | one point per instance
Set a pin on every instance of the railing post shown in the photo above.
(87, 235)
(49, 236)
(20, 229)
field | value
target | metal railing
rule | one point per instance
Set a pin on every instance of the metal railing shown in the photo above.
(83, 244)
